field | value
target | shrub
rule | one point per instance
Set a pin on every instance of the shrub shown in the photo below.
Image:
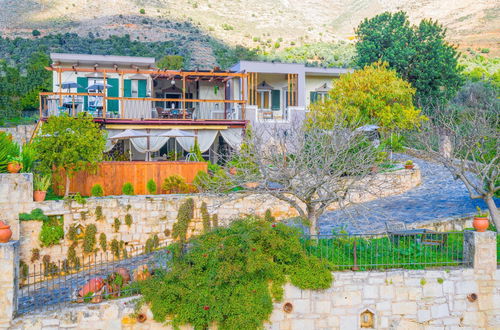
(89, 239)
(128, 189)
(72, 233)
(215, 221)
(36, 214)
(98, 212)
(142, 11)
(239, 271)
(35, 33)
(184, 216)
(205, 217)
(103, 242)
(35, 254)
(116, 224)
(115, 248)
(51, 233)
(128, 220)
(175, 184)
(23, 271)
(41, 182)
(97, 190)
(8, 149)
(151, 187)
(72, 258)
(269, 217)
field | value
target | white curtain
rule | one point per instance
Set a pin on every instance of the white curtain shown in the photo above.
(206, 138)
(155, 142)
(186, 142)
(137, 109)
(111, 143)
(233, 136)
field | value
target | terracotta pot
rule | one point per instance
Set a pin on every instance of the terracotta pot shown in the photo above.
(14, 167)
(5, 232)
(374, 169)
(39, 196)
(232, 171)
(141, 318)
(480, 224)
(409, 167)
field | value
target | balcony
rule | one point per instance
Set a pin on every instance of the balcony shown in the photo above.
(105, 108)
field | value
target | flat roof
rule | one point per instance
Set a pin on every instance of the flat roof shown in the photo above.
(101, 59)
(284, 67)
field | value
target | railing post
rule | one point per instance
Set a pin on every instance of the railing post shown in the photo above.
(9, 270)
(480, 251)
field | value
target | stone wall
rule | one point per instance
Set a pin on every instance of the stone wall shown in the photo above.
(157, 214)
(20, 133)
(396, 299)
(16, 196)
(445, 224)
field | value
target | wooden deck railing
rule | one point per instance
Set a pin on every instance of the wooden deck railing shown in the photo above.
(113, 175)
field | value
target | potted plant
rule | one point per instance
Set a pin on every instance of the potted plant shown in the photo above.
(480, 222)
(40, 185)
(15, 164)
(5, 232)
(409, 165)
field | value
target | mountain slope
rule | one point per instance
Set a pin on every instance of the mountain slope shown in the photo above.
(267, 24)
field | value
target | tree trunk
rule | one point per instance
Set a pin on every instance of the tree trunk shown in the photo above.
(313, 221)
(492, 207)
(66, 191)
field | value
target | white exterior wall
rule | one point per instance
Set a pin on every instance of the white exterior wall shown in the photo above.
(314, 82)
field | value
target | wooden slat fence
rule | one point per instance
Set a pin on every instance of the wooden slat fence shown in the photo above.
(112, 175)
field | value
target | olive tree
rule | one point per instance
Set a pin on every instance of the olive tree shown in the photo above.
(69, 144)
(466, 142)
(305, 166)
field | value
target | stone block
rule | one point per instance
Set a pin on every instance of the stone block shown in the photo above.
(348, 322)
(423, 315)
(370, 292)
(440, 311)
(302, 324)
(431, 290)
(322, 306)
(404, 308)
(302, 306)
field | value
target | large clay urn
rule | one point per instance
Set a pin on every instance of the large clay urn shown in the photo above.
(480, 224)
(5, 232)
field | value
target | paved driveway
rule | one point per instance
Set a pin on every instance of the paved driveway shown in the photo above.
(438, 196)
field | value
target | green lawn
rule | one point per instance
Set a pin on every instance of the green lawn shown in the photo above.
(382, 252)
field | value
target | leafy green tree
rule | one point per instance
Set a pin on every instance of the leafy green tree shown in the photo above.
(37, 80)
(70, 145)
(10, 80)
(171, 62)
(420, 54)
(373, 95)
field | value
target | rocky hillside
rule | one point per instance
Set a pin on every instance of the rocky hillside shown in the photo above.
(270, 25)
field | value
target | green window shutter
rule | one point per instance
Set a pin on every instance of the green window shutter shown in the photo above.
(113, 92)
(314, 97)
(127, 88)
(83, 82)
(142, 85)
(275, 99)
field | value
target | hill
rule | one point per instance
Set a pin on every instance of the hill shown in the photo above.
(267, 25)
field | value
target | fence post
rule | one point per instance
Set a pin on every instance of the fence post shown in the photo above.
(480, 251)
(9, 276)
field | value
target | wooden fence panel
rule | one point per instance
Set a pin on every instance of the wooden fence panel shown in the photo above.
(112, 175)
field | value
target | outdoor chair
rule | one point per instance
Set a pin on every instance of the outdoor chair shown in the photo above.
(434, 239)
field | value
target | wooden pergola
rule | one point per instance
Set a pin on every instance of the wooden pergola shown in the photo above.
(210, 75)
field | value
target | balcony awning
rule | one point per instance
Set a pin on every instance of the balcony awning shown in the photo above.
(263, 86)
(323, 88)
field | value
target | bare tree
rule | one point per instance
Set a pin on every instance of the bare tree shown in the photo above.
(466, 142)
(306, 167)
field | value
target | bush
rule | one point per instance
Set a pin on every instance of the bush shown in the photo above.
(97, 190)
(142, 11)
(151, 187)
(128, 220)
(89, 239)
(184, 216)
(175, 184)
(103, 242)
(35, 33)
(238, 271)
(205, 217)
(52, 232)
(116, 224)
(8, 149)
(128, 189)
(36, 214)
(41, 182)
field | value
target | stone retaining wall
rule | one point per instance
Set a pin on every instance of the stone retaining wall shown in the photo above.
(20, 133)
(446, 224)
(156, 215)
(396, 299)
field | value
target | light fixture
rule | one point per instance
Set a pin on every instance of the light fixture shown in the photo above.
(172, 81)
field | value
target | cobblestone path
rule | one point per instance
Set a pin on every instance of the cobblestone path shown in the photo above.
(438, 196)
